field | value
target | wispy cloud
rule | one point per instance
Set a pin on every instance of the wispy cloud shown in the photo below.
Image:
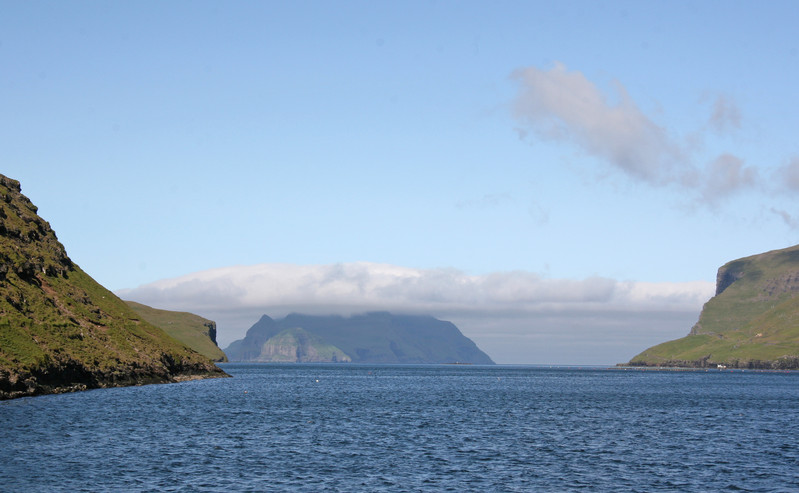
(564, 105)
(559, 104)
(787, 180)
(490, 308)
(725, 176)
(788, 175)
(789, 220)
(726, 116)
(489, 200)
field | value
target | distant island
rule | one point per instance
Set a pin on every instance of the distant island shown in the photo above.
(60, 330)
(378, 337)
(751, 322)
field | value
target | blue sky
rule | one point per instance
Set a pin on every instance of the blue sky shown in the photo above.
(552, 142)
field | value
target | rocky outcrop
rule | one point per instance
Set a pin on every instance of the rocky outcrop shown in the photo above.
(298, 346)
(29, 246)
(69, 375)
(60, 330)
(211, 326)
(728, 274)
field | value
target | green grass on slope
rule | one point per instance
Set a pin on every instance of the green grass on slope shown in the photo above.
(190, 329)
(66, 333)
(59, 329)
(772, 336)
(752, 322)
(75, 318)
(733, 349)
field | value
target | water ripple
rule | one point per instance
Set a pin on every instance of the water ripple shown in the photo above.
(427, 428)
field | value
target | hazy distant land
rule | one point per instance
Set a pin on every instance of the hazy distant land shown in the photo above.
(378, 337)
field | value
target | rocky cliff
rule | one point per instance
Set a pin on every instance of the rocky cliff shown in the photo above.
(371, 338)
(192, 330)
(59, 329)
(751, 322)
(298, 346)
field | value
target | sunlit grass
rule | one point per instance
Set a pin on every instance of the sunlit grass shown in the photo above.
(754, 322)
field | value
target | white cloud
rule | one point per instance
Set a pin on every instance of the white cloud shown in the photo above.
(564, 105)
(725, 176)
(504, 311)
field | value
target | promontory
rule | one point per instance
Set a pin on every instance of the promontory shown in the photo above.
(751, 322)
(60, 330)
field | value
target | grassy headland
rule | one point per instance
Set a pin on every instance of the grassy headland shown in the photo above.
(192, 330)
(751, 322)
(62, 331)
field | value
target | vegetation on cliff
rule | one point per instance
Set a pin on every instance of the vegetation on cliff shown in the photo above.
(751, 322)
(378, 337)
(298, 346)
(62, 331)
(191, 330)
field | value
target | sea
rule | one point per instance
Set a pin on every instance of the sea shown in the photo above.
(378, 428)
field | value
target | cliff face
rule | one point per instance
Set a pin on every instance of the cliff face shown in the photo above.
(751, 322)
(59, 329)
(192, 330)
(298, 346)
(371, 338)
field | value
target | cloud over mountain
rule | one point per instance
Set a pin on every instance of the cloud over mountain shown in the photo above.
(494, 309)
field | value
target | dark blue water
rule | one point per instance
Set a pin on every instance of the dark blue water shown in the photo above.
(412, 428)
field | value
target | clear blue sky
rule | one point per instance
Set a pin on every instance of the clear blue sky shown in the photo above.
(631, 141)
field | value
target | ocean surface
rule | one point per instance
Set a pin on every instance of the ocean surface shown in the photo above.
(412, 428)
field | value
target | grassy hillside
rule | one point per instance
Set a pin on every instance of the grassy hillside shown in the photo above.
(751, 322)
(62, 331)
(192, 330)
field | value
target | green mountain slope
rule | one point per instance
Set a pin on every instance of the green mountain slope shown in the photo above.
(62, 331)
(751, 322)
(192, 330)
(371, 338)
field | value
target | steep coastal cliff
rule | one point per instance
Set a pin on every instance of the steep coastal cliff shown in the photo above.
(298, 346)
(192, 330)
(60, 330)
(751, 322)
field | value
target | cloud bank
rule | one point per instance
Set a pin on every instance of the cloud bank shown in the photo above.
(517, 317)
